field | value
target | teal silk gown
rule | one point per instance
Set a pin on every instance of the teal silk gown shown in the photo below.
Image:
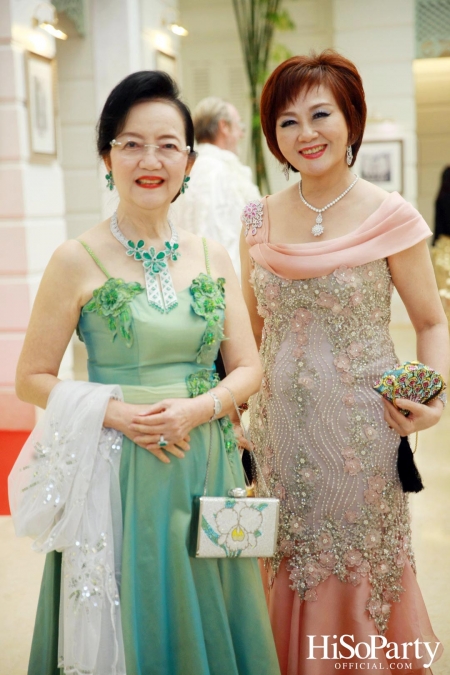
(181, 615)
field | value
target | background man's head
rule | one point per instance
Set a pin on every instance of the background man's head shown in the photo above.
(219, 123)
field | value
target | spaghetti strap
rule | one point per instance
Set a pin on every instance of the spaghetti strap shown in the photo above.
(95, 259)
(205, 248)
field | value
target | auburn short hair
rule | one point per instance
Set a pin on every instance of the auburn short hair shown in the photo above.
(304, 72)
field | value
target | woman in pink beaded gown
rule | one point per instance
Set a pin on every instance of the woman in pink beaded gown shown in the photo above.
(320, 260)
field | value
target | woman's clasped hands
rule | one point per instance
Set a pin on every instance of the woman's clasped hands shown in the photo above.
(150, 426)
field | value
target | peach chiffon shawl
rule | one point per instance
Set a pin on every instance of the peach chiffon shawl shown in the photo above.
(393, 227)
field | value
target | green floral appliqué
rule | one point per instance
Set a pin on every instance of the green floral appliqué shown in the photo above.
(199, 383)
(228, 434)
(111, 301)
(208, 300)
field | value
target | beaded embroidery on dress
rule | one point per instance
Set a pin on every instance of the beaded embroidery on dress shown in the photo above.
(319, 431)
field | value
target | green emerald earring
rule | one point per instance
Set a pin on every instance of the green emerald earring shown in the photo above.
(185, 185)
(109, 180)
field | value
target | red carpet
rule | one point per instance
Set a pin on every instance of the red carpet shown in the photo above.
(11, 443)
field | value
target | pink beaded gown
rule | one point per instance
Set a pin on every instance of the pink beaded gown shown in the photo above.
(344, 564)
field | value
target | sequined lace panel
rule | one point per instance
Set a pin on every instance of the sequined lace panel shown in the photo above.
(319, 431)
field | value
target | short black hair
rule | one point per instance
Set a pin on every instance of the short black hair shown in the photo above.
(145, 85)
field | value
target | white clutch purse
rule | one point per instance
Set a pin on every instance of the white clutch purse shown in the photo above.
(236, 525)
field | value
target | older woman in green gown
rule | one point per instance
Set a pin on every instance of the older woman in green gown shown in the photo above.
(153, 307)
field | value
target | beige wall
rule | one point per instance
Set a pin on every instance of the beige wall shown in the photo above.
(78, 118)
(432, 79)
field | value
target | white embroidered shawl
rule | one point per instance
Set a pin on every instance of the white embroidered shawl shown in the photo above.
(64, 493)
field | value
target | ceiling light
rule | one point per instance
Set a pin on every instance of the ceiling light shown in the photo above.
(46, 17)
(53, 31)
(178, 30)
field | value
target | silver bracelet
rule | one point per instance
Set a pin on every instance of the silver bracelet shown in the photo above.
(217, 406)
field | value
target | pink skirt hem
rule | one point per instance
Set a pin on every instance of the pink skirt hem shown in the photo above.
(340, 610)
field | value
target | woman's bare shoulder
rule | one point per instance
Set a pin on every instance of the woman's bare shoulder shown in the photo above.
(372, 193)
(282, 202)
(71, 254)
(220, 260)
(283, 197)
(216, 251)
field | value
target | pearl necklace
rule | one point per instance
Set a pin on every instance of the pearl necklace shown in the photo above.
(318, 228)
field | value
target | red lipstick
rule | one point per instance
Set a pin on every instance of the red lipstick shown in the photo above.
(149, 182)
(307, 154)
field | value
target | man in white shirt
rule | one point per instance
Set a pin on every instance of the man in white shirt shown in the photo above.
(220, 184)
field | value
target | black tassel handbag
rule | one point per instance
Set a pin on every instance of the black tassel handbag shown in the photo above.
(416, 382)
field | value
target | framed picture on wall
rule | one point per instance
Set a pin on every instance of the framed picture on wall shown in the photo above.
(381, 163)
(166, 63)
(41, 106)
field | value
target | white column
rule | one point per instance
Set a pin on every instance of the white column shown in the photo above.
(116, 54)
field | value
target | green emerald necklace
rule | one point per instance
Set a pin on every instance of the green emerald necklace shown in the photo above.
(160, 291)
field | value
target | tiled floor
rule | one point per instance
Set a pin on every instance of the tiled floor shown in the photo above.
(21, 568)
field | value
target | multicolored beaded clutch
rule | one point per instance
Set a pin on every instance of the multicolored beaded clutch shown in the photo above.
(411, 380)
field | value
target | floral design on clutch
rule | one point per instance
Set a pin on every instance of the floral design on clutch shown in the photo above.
(238, 526)
(411, 380)
(111, 301)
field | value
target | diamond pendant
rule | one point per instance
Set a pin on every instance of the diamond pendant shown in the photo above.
(317, 230)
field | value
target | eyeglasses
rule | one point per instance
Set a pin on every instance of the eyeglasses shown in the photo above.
(168, 152)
